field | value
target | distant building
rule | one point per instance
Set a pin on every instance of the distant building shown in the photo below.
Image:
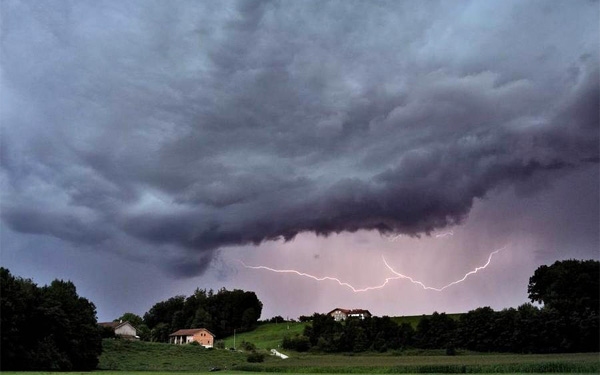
(343, 314)
(200, 335)
(121, 329)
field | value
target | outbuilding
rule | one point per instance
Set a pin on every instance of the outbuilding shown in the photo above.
(122, 329)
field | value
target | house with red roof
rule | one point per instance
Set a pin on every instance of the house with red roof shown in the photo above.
(200, 335)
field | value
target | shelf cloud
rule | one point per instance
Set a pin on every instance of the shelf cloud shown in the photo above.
(181, 128)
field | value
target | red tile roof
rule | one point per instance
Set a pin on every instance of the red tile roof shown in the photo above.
(190, 332)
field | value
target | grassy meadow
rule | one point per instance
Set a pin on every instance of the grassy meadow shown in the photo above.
(467, 363)
(129, 356)
(267, 336)
(147, 362)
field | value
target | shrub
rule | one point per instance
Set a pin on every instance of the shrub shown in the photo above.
(299, 343)
(220, 344)
(248, 346)
(255, 357)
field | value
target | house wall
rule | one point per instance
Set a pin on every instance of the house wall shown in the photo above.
(125, 330)
(204, 338)
(338, 315)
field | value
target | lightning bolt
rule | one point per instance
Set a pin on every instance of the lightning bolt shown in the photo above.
(477, 269)
(394, 238)
(397, 276)
(324, 278)
(444, 234)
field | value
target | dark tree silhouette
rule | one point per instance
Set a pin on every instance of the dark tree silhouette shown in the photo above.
(48, 328)
(567, 286)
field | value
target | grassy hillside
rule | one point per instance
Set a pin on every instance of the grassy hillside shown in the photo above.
(126, 355)
(267, 336)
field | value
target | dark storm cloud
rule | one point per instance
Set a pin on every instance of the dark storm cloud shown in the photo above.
(198, 126)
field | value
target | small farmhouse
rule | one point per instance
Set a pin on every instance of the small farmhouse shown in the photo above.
(122, 329)
(343, 314)
(200, 335)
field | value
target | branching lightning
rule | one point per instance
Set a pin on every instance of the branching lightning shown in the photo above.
(324, 278)
(397, 276)
(477, 269)
(444, 234)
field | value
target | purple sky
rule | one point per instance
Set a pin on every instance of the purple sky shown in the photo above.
(149, 146)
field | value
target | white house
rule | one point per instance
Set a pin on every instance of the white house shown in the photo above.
(343, 314)
(122, 329)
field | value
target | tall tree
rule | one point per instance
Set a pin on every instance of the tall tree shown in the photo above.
(568, 285)
(48, 328)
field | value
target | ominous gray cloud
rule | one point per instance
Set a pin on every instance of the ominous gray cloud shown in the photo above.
(178, 128)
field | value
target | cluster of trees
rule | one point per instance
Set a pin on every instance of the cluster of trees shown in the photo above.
(567, 322)
(46, 328)
(52, 328)
(527, 329)
(353, 335)
(220, 313)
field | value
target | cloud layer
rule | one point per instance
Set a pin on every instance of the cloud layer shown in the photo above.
(165, 131)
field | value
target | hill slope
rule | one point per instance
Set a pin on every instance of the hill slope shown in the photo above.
(267, 336)
(126, 355)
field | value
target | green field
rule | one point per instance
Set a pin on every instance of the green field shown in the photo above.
(145, 357)
(129, 356)
(478, 363)
(183, 360)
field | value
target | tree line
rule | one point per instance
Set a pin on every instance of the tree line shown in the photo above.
(568, 321)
